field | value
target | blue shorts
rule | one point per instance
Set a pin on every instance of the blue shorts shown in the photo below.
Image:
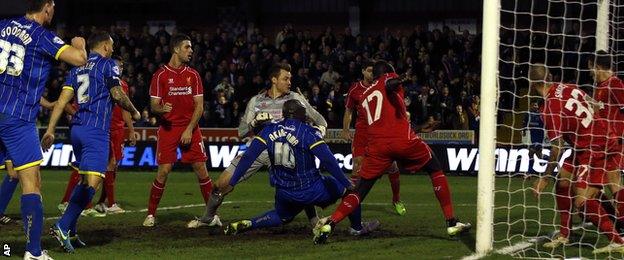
(322, 193)
(20, 142)
(91, 149)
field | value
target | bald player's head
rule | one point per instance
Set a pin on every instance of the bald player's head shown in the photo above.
(538, 76)
(538, 73)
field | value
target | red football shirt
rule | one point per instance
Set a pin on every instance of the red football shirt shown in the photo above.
(117, 121)
(354, 102)
(178, 87)
(610, 95)
(567, 114)
(385, 111)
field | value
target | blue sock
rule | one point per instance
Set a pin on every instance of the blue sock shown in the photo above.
(356, 219)
(7, 188)
(269, 219)
(32, 215)
(80, 198)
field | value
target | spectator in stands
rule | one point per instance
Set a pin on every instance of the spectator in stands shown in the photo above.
(233, 59)
(329, 77)
(459, 119)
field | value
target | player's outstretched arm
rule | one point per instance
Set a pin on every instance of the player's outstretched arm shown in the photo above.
(257, 146)
(48, 138)
(123, 100)
(76, 54)
(393, 84)
(314, 115)
(328, 160)
(553, 163)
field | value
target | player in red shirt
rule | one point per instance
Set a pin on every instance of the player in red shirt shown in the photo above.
(177, 95)
(569, 117)
(360, 138)
(391, 138)
(120, 117)
(610, 92)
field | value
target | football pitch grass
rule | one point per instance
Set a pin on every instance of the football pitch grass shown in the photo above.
(420, 234)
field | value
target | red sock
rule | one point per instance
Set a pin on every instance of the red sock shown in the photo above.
(349, 203)
(564, 205)
(395, 184)
(597, 215)
(205, 186)
(155, 194)
(443, 193)
(74, 178)
(109, 187)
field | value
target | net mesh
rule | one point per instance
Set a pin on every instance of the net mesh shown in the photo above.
(562, 35)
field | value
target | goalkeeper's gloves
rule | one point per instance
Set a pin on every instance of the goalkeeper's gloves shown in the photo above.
(321, 129)
(259, 120)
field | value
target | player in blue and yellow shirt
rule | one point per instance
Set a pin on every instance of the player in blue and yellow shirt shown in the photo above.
(95, 86)
(27, 51)
(292, 146)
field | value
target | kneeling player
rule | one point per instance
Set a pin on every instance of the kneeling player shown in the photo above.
(292, 145)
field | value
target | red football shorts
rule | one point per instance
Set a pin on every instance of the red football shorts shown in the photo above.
(592, 167)
(117, 144)
(360, 140)
(412, 155)
(169, 141)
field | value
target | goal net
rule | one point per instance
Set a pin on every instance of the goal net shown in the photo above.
(563, 35)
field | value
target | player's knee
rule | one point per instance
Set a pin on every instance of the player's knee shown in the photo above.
(224, 180)
(433, 165)
(200, 169)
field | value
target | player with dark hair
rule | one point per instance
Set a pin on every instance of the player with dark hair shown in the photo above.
(291, 145)
(96, 85)
(355, 101)
(27, 55)
(569, 117)
(177, 96)
(385, 109)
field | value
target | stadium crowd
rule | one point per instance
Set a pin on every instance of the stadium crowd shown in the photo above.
(233, 61)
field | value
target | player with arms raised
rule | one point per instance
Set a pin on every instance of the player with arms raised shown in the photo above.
(95, 86)
(177, 96)
(569, 117)
(360, 138)
(27, 51)
(391, 138)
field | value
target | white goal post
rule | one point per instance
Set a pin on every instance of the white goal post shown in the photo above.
(607, 22)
